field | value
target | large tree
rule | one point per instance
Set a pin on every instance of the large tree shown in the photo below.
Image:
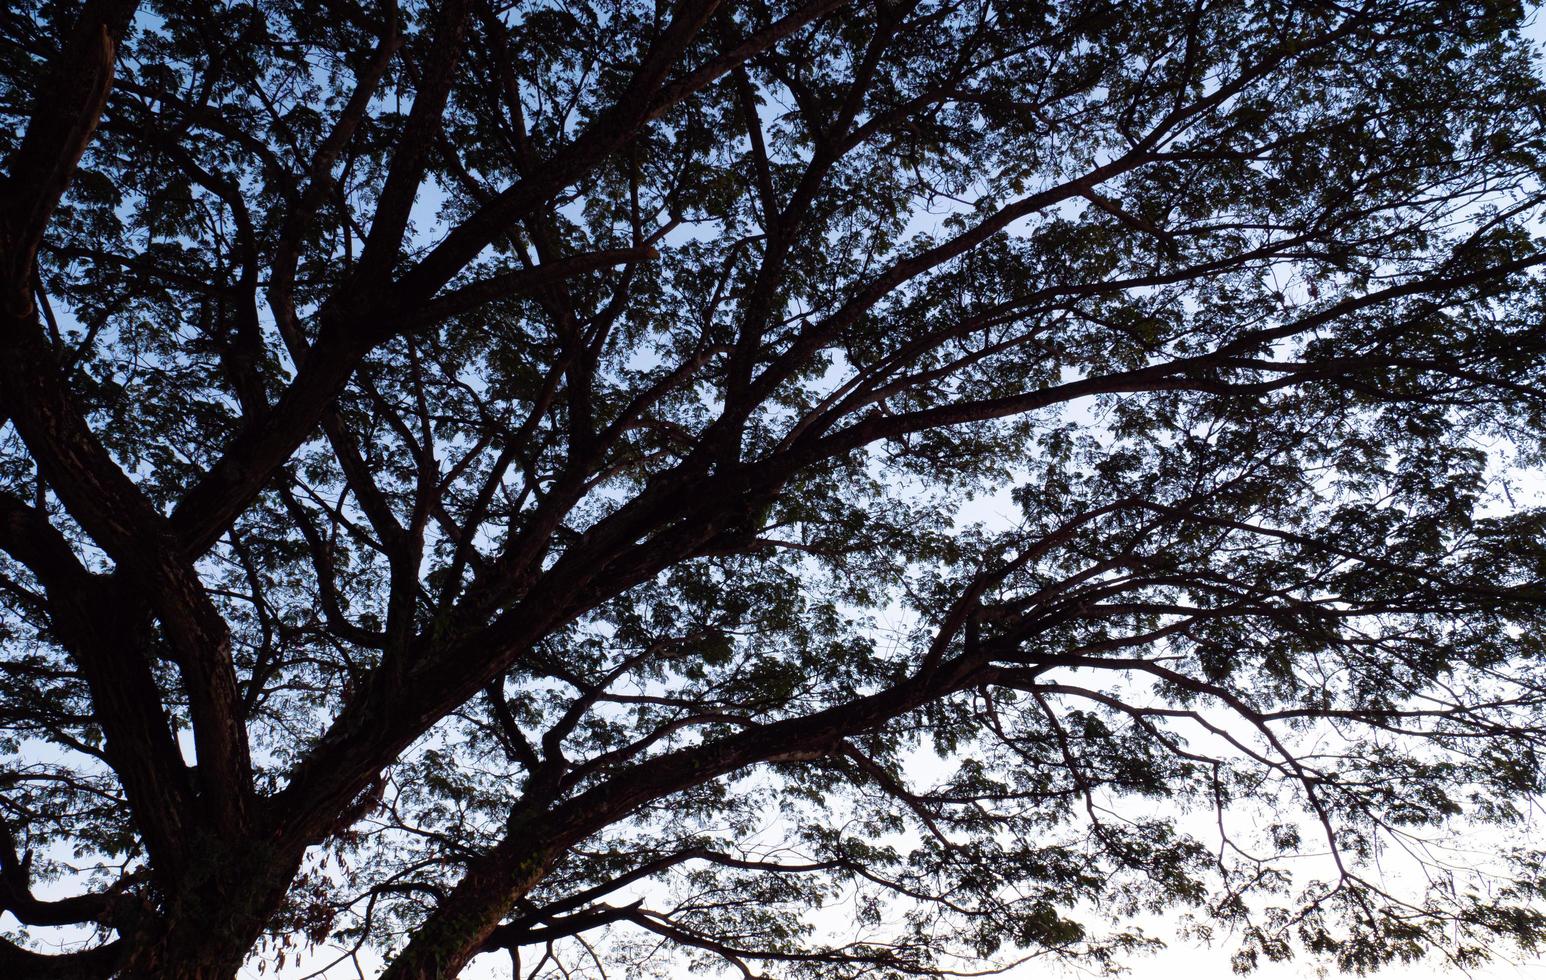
(604, 481)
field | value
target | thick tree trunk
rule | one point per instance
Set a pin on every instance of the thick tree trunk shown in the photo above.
(173, 964)
(209, 929)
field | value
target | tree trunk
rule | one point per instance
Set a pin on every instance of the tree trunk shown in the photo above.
(209, 929)
(457, 931)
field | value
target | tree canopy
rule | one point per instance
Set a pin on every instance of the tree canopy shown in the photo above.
(795, 487)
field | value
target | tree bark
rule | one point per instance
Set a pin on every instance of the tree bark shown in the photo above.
(457, 930)
(210, 926)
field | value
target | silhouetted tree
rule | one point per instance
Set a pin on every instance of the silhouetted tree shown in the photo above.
(604, 480)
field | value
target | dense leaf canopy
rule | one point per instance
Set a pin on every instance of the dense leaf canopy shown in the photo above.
(797, 487)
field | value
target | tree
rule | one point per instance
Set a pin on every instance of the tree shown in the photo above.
(493, 477)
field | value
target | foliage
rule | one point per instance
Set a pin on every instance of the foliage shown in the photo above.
(799, 487)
